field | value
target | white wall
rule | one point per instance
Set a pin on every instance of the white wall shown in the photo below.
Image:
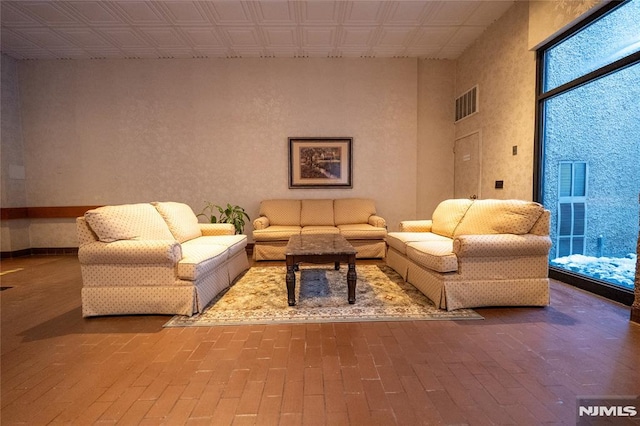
(122, 131)
(436, 83)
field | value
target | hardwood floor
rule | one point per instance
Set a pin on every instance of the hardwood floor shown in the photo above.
(518, 366)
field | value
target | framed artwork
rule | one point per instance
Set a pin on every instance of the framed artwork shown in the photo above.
(320, 162)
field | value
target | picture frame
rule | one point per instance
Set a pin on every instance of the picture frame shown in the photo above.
(316, 162)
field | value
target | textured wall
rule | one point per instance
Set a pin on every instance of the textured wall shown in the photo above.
(120, 131)
(504, 69)
(14, 235)
(436, 80)
(549, 18)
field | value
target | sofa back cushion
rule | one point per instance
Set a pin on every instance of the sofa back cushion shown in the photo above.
(316, 213)
(447, 216)
(499, 217)
(128, 221)
(353, 210)
(180, 219)
(281, 212)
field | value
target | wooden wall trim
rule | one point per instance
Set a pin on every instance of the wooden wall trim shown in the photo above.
(57, 212)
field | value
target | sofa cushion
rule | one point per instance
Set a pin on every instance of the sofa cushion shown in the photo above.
(316, 212)
(434, 255)
(353, 210)
(399, 240)
(199, 259)
(276, 233)
(281, 212)
(235, 243)
(319, 230)
(362, 231)
(181, 220)
(499, 217)
(128, 221)
(448, 215)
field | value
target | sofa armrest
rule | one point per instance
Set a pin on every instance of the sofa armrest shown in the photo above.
(377, 221)
(261, 223)
(209, 229)
(416, 225)
(131, 252)
(497, 245)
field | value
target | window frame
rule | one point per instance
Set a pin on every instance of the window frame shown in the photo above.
(592, 285)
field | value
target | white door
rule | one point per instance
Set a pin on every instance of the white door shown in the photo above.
(467, 167)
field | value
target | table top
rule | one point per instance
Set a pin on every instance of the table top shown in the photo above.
(318, 244)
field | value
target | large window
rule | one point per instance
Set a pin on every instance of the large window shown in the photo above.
(589, 149)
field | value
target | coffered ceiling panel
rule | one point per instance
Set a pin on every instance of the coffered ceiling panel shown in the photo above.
(235, 28)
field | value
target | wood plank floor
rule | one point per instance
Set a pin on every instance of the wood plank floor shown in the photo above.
(520, 366)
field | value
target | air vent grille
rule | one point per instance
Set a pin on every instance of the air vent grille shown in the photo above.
(467, 103)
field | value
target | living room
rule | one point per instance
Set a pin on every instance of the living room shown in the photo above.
(89, 132)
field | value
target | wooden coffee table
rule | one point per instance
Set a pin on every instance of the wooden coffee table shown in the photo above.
(320, 248)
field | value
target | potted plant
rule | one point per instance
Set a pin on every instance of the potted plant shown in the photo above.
(234, 215)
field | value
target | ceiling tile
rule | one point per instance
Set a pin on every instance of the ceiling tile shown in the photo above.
(46, 38)
(407, 13)
(202, 37)
(272, 12)
(94, 12)
(139, 12)
(13, 17)
(230, 28)
(365, 12)
(278, 37)
(164, 37)
(450, 12)
(398, 37)
(16, 40)
(184, 13)
(242, 37)
(87, 38)
(433, 36)
(320, 12)
(48, 12)
(357, 36)
(488, 11)
(125, 38)
(229, 12)
(319, 37)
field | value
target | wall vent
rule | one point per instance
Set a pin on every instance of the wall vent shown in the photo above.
(467, 103)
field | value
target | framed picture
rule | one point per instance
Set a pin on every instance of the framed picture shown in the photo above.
(320, 162)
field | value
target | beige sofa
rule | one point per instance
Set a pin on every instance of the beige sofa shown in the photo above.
(154, 259)
(476, 253)
(354, 218)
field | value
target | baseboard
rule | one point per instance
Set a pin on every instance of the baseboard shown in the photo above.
(61, 251)
(57, 251)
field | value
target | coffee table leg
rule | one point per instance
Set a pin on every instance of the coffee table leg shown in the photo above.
(352, 277)
(291, 282)
(336, 266)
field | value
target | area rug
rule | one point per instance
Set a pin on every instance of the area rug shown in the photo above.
(260, 297)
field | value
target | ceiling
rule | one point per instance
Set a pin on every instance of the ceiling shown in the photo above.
(231, 29)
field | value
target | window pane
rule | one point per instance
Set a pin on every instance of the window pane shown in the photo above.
(565, 179)
(578, 219)
(579, 176)
(601, 119)
(608, 39)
